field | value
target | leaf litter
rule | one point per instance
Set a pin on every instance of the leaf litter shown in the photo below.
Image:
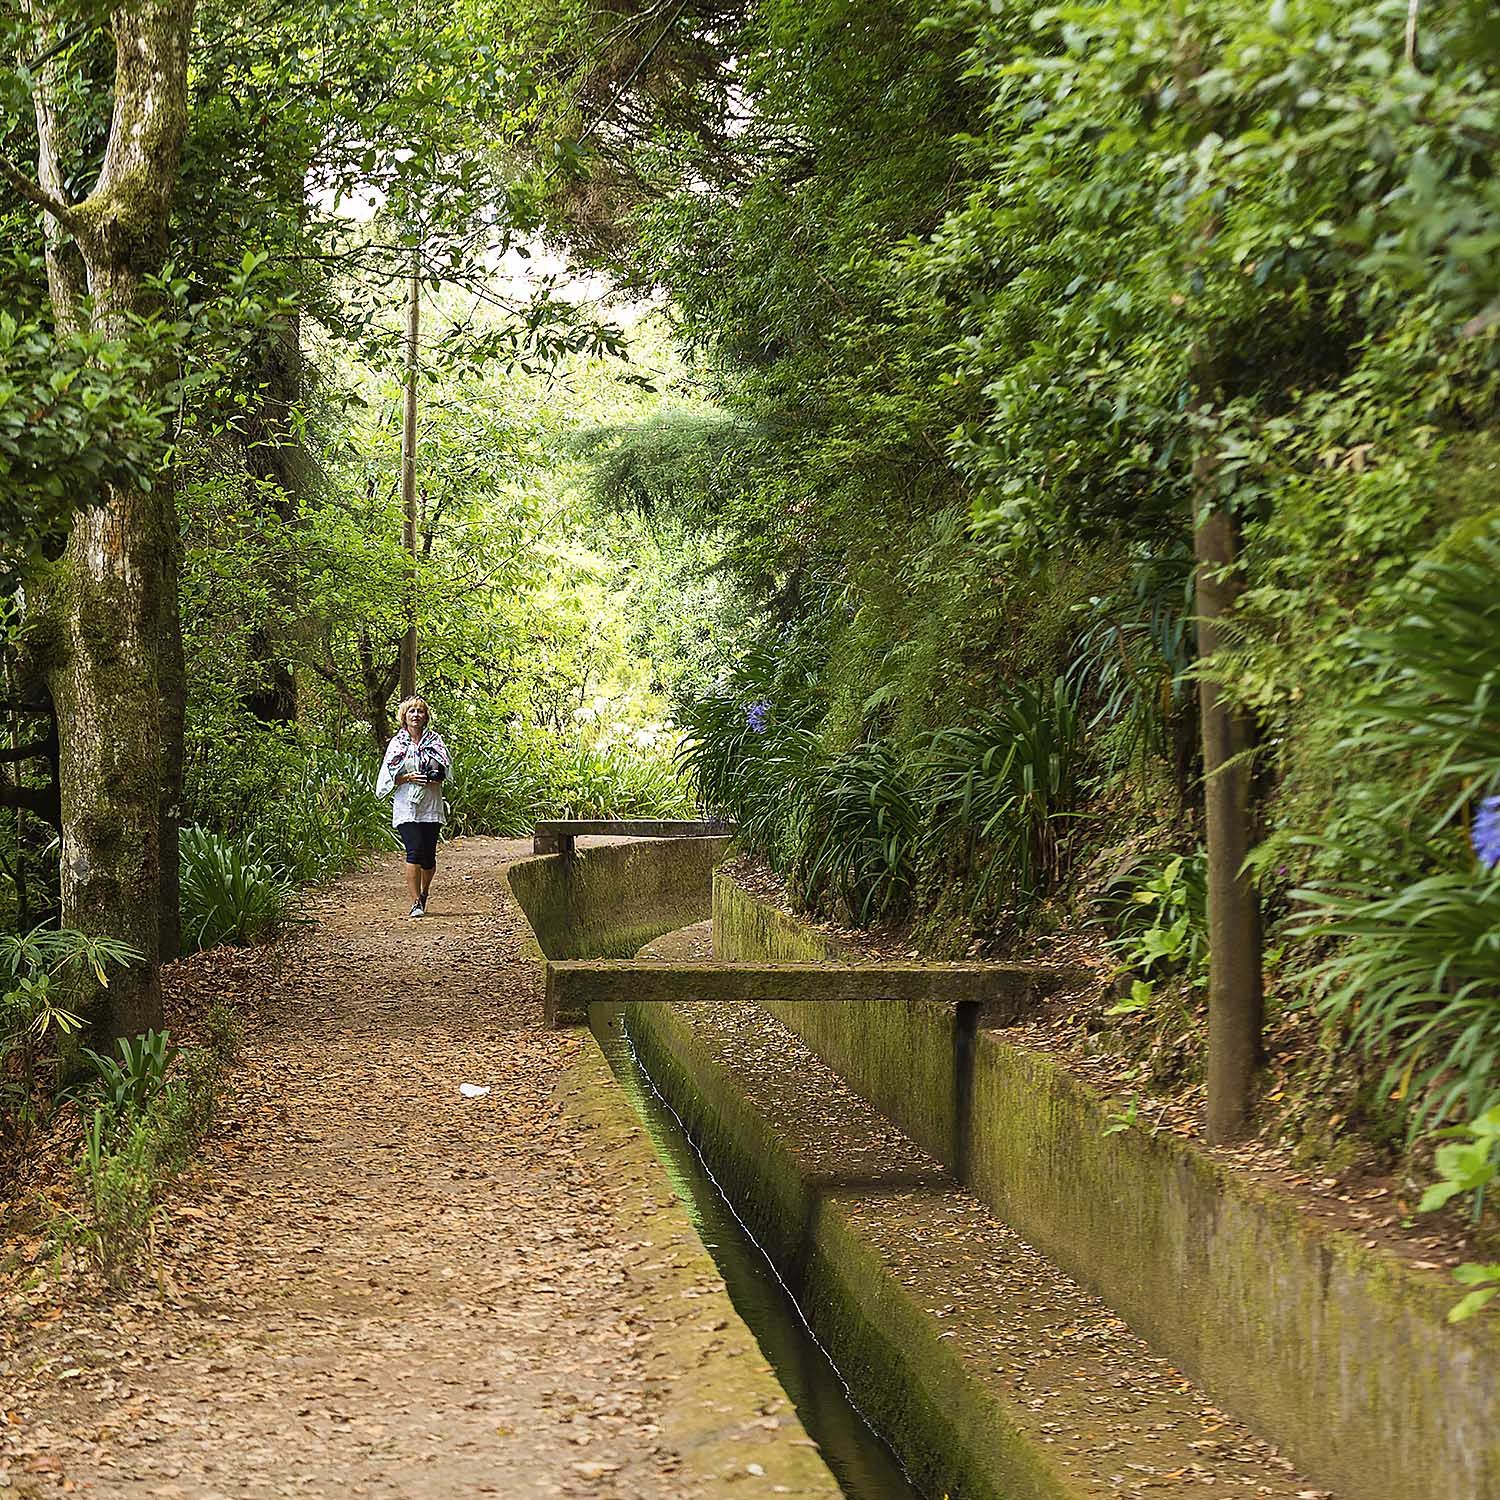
(370, 1285)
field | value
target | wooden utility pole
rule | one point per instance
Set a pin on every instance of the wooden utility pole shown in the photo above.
(408, 680)
(1235, 998)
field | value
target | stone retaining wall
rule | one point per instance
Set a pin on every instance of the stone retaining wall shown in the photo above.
(1336, 1351)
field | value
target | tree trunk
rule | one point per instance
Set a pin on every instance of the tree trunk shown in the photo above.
(112, 598)
(378, 680)
(1235, 992)
(172, 694)
(408, 678)
(277, 462)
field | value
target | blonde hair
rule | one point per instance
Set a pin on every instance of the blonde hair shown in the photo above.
(415, 701)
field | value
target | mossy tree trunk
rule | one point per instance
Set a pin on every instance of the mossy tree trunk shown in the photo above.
(115, 658)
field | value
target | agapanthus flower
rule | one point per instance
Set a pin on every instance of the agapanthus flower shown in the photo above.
(755, 716)
(1485, 834)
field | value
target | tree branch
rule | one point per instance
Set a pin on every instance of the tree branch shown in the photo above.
(39, 800)
(34, 193)
(59, 47)
(34, 751)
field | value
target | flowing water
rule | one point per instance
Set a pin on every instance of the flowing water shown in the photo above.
(864, 1466)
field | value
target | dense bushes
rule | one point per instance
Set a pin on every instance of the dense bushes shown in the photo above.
(1406, 888)
(995, 296)
(505, 788)
(859, 831)
(229, 893)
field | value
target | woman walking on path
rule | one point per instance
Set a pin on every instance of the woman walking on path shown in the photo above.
(415, 766)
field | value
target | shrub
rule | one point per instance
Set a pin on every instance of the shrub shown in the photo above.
(504, 789)
(155, 1104)
(858, 834)
(230, 893)
(132, 1081)
(1415, 979)
(995, 795)
(1132, 664)
(323, 817)
(309, 809)
(119, 1193)
(1414, 926)
(1158, 914)
(33, 1015)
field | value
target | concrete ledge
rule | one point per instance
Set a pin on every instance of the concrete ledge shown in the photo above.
(556, 835)
(1335, 1350)
(1000, 993)
(609, 902)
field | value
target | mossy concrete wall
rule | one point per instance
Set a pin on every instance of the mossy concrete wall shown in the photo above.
(1338, 1352)
(609, 901)
(909, 1381)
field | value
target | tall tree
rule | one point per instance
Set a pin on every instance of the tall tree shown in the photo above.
(409, 470)
(113, 644)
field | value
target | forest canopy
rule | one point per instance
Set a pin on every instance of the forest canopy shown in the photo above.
(1042, 459)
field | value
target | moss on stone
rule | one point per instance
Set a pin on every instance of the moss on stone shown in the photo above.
(1338, 1352)
(609, 902)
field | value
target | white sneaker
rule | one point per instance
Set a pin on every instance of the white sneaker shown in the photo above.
(417, 911)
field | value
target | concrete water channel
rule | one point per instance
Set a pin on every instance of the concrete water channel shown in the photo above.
(929, 1226)
(862, 1462)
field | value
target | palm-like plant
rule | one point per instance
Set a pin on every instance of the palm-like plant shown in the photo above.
(995, 795)
(1414, 974)
(858, 838)
(229, 893)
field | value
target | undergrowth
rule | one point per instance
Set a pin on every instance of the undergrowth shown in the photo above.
(148, 1106)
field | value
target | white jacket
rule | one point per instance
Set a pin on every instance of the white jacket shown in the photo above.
(413, 804)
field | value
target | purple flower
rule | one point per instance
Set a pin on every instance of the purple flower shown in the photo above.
(1485, 834)
(755, 716)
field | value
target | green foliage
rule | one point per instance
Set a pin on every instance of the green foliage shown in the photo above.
(988, 309)
(1142, 992)
(1414, 973)
(1434, 678)
(1158, 915)
(305, 810)
(71, 421)
(324, 814)
(857, 840)
(1467, 1163)
(156, 1104)
(1484, 1281)
(1132, 664)
(861, 828)
(505, 788)
(34, 1015)
(131, 1082)
(116, 1174)
(1413, 979)
(230, 892)
(223, 1031)
(997, 797)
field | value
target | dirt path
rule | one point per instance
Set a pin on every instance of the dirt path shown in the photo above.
(380, 1288)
